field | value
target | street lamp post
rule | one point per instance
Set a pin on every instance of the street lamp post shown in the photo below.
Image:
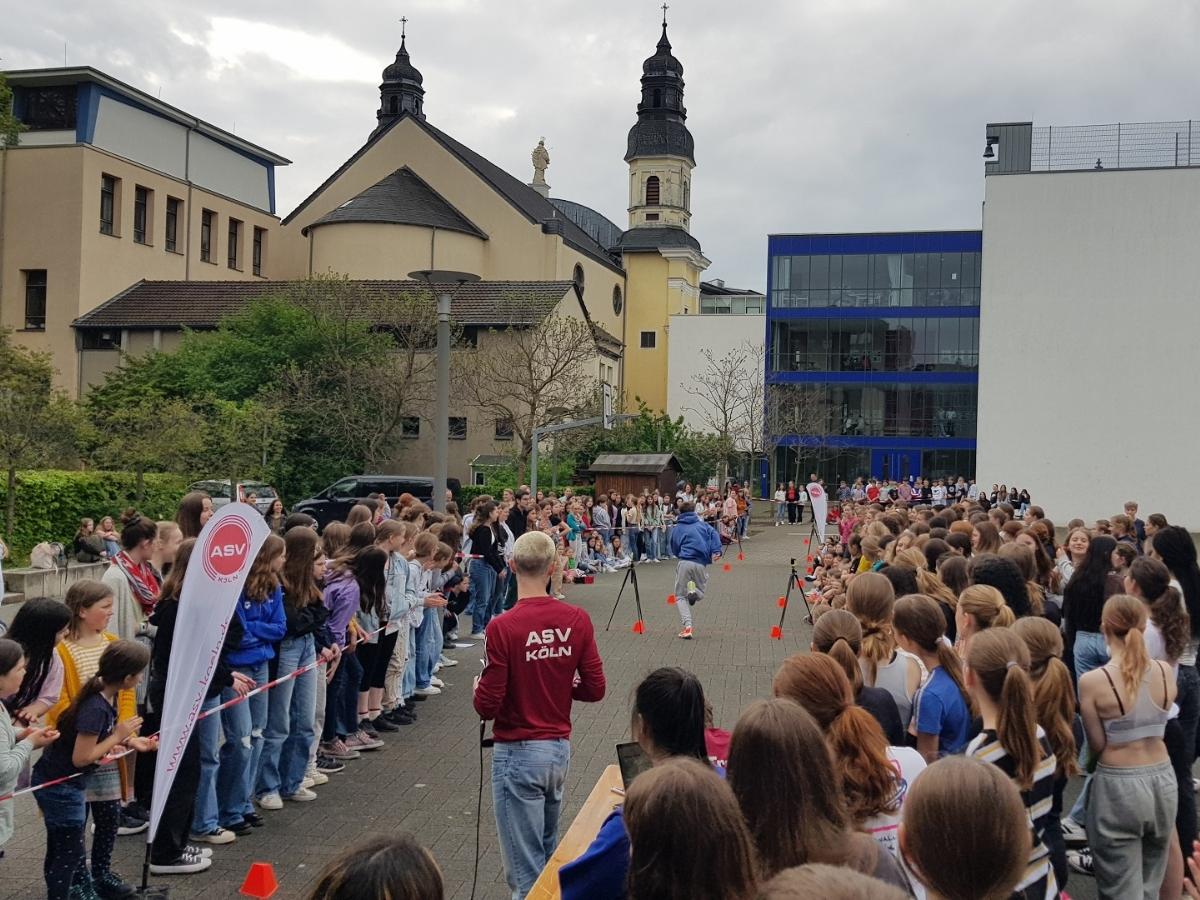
(443, 284)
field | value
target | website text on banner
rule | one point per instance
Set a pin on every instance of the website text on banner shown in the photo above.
(820, 507)
(227, 546)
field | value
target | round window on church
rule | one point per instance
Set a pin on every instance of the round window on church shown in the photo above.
(577, 277)
(618, 300)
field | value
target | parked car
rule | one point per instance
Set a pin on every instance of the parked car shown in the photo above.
(221, 492)
(333, 504)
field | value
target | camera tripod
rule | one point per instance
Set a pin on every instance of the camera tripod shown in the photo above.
(794, 581)
(639, 627)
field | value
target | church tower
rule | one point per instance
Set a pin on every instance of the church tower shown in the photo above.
(401, 90)
(663, 261)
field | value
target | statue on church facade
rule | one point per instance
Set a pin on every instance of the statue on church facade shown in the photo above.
(541, 162)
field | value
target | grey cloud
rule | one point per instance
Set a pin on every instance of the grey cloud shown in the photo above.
(846, 115)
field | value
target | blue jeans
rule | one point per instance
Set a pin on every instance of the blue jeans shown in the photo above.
(243, 726)
(341, 699)
(632, 544)
(527, 790)
(426, 658)
(289, 732)
(409, 682)
(483, 587)
(208, 733)
(1090, 653)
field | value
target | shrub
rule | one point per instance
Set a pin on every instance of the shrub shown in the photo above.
(50, 503)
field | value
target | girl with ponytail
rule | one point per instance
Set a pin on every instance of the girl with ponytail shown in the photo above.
(838, 634)
(997, 676)
(874, 776)
(872, 600)
(1054, 699)
(980, 607)
(1125, 706)
(942, 708)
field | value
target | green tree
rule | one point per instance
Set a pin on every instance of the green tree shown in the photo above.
(38, 423)
(10, 126)
(154, 435)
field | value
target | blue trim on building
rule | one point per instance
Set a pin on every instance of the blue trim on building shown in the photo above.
(87, 110)
(837, 442)
(964, 378)
(271, 186)
(902, 242)
(874, 312)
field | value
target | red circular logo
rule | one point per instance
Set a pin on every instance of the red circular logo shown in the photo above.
(227, 548)
(815, 491)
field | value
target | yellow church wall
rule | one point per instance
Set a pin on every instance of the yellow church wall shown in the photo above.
(379, 250)
(647, 309)
(599, 282)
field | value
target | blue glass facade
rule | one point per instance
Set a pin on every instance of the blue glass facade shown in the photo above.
(872, 354)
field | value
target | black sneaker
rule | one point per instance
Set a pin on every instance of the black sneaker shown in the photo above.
(418, 697)
(186, 864)
(254, 820)
(137, 811)
(110, 886)
(367, 727)
(241, 829)
(1081, 861)
(383, 723)
(127, 824)
(329, 765)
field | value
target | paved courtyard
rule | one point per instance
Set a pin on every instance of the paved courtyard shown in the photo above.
(426, 780)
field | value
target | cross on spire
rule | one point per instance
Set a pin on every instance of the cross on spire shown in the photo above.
(664, 9)
(403, 27)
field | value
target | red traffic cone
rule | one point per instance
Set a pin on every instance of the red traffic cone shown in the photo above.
(741, 556)
(782, 601)
(776, 633)
(809, 559)
(728, 567)
(806, 540)
(260, 881)
(639, 627)
(671, 600)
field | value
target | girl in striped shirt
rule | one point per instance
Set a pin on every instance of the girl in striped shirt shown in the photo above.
(997, 677)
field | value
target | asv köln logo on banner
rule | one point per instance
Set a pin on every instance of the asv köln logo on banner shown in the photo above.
(226, 548)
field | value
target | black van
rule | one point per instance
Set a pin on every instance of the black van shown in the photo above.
(333, 504)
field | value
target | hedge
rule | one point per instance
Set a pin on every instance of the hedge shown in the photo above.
(50, 503)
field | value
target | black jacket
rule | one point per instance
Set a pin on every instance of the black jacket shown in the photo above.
(163, 618)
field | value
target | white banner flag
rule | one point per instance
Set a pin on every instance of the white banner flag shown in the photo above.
(820, 509)
(220, 562)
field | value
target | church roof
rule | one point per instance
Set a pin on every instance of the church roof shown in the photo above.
(525, 199)
(599, 227)
(657, 238)
(401, 198)
(203, 304)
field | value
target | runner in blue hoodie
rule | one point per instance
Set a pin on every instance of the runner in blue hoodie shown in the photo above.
(696, 544)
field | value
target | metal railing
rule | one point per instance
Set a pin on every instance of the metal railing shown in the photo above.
(1124, 145)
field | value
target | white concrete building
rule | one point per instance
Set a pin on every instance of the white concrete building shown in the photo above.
(1089, 393)
(729, 321)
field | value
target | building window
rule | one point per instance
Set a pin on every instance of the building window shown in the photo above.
(235, 243)
(260, 238)
(90, 339)
(143, 199)
(652, 191)
(651, 217)
(504, 430)
(35, 299)
(108, 204)
(208, 218)
(49, 108)
(173, 204)
(618, 300)
(687, 194)
(410, 427)
(458, 428)
(649, 340)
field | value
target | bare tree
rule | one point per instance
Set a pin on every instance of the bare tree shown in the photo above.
(529, 375)
(796, 412)
(752, 405)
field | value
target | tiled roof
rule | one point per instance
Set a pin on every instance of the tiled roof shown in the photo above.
(525, 199)
(401, 198)
(202, 304)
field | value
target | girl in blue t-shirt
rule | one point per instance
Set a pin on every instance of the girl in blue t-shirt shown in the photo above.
(941, 719)
(88, 731)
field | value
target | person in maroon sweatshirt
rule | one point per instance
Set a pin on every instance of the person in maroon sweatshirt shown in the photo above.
(541, 655)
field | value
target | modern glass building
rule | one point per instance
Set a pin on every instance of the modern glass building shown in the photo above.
(872, 354)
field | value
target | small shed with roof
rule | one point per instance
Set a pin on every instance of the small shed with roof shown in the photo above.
(631, 473)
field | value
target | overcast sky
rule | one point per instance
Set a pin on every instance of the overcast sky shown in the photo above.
(821, 115)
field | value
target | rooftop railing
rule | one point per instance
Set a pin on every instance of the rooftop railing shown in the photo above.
(1124, 145)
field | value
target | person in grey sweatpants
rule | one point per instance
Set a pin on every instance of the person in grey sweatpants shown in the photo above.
(696, 544)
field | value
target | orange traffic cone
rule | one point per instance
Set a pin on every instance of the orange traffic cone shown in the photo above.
(639, 627)
(728, 567)
(741, 556)
(776, 633)
(782, 601)
(260, 881)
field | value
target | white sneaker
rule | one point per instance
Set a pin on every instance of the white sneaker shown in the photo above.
(270, 801)
(219, 836)
(431, 691)
(314, 778)
(448, 662)
(1073, 832)
(437, 682)
(304, 795)
(477, 635)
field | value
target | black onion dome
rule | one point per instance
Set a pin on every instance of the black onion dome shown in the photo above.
(402, 69)
(660, 129)
(663, 59)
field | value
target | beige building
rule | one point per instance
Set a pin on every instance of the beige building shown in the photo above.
(108, 186)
